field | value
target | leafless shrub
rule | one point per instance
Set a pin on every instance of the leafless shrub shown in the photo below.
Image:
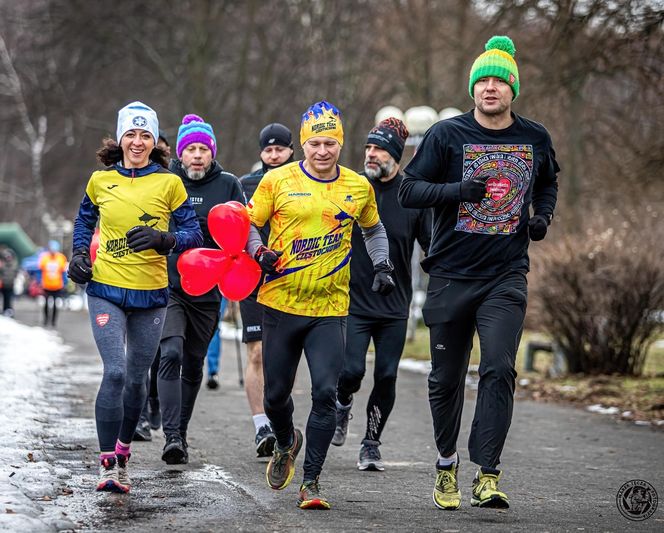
(601, 296)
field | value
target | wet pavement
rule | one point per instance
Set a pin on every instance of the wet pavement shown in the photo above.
(563, 466)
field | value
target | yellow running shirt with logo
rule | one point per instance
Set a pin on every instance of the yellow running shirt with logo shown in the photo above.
(125, 202)
(311, 222)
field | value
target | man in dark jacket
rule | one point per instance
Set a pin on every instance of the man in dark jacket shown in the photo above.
(480, 172)
(385, 320)
(276, 144)
(8, 272)
(190, 320)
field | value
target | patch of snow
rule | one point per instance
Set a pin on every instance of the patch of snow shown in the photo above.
(415, 365)
(424, 367)
(599, 408)
(229, 332)
(26, 474)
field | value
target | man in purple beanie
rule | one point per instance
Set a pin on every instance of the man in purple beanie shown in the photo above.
(190, 320)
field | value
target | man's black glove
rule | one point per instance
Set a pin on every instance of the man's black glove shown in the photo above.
(473, 190)
(80, 266)
(537, 227)
(141, 238)
(383, 282)
(267, 259)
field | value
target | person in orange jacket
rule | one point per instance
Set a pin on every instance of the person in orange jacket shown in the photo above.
(53, 264)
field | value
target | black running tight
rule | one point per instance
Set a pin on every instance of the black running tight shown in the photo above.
(389, 336)
(285, 336)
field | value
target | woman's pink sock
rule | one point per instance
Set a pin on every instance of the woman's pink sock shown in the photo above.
(122, 449)
(106, 455)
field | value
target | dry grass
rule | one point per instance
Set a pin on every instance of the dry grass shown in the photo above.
(636, 398)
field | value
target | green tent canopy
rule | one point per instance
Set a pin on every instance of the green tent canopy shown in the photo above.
(13, 236)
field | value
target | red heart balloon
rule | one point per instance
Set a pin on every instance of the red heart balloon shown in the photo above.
(229, 226)
(240, 279)
(200, 269)
(236, 205)
(94, 245)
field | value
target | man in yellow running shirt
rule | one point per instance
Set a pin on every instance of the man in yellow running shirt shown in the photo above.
(311, 206)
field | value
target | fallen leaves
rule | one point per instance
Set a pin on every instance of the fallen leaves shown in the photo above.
(627, 398)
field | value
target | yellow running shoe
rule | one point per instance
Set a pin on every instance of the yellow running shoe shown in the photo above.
(485, 490)
(446, 494)
(310, 496)
(281, 467)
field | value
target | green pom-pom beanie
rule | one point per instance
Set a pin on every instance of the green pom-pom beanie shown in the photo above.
(497, 61)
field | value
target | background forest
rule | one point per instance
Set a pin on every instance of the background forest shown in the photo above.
(591, 71)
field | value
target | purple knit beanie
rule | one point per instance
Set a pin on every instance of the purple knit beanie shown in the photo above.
(195, 130)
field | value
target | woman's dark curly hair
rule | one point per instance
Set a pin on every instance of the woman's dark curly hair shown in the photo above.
(111, 153)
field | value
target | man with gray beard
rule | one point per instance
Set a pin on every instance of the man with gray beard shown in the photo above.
(190, 320)
(383, 319)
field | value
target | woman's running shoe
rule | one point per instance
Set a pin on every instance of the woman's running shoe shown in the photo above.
(123, 474)
(109, 477)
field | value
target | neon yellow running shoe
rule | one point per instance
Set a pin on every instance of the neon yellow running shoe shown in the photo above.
(446, 494)
(485, 490)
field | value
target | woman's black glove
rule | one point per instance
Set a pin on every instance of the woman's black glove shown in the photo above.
(141, 238)
(80, 266)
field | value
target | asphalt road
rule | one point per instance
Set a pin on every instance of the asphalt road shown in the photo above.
(562, 466)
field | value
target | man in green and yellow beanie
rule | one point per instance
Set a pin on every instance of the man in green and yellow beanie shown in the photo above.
(480, 172)
(497, 61)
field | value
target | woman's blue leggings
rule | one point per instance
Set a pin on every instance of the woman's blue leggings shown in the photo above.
(127, 342)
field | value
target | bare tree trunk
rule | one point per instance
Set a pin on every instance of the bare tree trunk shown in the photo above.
(36, 136)
(241, 80)
(574, 151)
